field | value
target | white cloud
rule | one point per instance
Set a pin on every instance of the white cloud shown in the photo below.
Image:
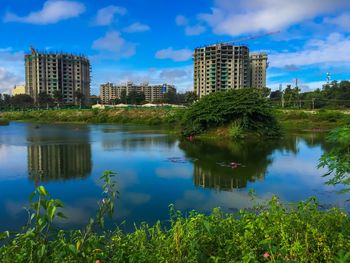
(175, 55)
(195, 30)
(334, 49)
(11, 69)
(181, 20)
(105, 16)
(174, 74)
(8, 80)
(243, 17)
(52, 12)
(136, 27)
(342, 21)
(114, 45)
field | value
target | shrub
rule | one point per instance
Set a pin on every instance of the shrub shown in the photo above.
(247, 106)
(235, 130)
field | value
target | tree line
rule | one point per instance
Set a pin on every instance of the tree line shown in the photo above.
(331, 95)
(45, 100)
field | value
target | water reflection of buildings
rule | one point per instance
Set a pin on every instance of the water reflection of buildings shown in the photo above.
(58, 153)
(222, 181)
(59, 162)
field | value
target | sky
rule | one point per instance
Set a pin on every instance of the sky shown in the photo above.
(153, 40)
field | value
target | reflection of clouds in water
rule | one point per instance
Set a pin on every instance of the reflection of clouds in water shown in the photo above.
(128, 202)
(174, 172)
(14, 159)
(75, 215)
(78, 213)
(303, 171)
(123, 179)
(13, 208)
(136, 198)
(204, 201)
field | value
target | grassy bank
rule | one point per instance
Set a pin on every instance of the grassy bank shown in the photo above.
(289, 120)
(149, 116)
(320, 120)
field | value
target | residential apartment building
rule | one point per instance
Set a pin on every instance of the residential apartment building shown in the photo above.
(220, 67)
(223, 66)
(258, 67)
(110, 92)
(50, 72)
(18, 90)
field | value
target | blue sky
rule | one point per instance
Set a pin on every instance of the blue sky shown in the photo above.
(153, 40)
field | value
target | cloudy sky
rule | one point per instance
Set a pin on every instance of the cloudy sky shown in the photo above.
(153, 40)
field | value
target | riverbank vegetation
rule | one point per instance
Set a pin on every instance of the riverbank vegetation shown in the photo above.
(134, 115)
(229, 114)
(337, 160)
(269, 232)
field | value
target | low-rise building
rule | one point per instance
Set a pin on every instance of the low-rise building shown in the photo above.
(109, 91)
(18, 89)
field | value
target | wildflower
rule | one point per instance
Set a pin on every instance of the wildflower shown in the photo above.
(266, 255)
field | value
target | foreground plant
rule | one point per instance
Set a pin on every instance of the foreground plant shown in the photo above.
(270, 232)
(337, 160)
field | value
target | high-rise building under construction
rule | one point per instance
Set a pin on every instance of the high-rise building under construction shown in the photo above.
(258, 66)
(223, 67)
(57, 73)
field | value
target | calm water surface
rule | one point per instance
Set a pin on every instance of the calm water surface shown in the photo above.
(154, 169)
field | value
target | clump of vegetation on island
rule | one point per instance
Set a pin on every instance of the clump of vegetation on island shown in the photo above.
(247, 108)
(270, 232)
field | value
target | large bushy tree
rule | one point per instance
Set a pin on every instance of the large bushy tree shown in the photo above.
(244, 106)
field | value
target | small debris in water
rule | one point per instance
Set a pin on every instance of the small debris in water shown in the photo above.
(232, 165)
(181, 159)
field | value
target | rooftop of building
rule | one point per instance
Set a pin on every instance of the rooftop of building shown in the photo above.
(34, 51)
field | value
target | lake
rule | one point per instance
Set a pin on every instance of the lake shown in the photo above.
(154, 169)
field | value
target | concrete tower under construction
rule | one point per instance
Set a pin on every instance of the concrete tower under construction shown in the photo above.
(51, 72)
(258, 66)
(221, 67)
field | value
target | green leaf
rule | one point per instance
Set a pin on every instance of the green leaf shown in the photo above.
(42, 191)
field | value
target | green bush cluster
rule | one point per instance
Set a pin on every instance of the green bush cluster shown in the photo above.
(271, 232)
(247, 106)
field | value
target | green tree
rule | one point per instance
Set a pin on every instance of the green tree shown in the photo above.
(79, 97)
(190, 97)
(123, 97)
(22, 101)
(57, 95)
(243, 106)
(170, 96)
(135, 97)
(44, 99)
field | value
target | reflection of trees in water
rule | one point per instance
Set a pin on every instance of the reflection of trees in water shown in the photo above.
(255, 156)
(58, 152)
(132, 142)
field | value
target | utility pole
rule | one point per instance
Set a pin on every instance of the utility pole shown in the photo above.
(282, 99)
(313, 103)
